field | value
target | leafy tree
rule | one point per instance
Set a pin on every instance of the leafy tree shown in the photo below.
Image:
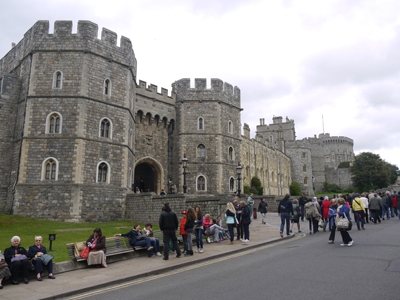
(369, 171)
(295, 189)
(344, 165)
(332, 188)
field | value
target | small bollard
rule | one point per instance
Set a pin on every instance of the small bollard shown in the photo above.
(52, 237)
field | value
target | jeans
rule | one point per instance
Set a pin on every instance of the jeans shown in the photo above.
(285, 218)
(230, 228)
(246, 231)
(185, 242)
(199, 238)
(366, 216)
(156, 245)
(398, 212)
(359, 216)
(391, 211)
(385, 211)
(302, 212)
(189, 239)
(240, 230)
(145, 243)
(326, 221)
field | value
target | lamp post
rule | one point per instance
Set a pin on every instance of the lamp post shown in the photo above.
(184, 166)
(239, 173)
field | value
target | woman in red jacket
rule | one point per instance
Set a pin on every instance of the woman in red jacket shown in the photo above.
(325, 210)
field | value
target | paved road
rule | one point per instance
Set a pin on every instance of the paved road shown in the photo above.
(305, 267)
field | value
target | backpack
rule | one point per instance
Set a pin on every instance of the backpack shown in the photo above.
(311, 210)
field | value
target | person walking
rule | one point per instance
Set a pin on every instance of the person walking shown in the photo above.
(344, 211)
(302, 202)
(262, 209)
(295, 219)
(359, 210)
(169, 223)
(375, 207)
(332, 218)
(285, 210)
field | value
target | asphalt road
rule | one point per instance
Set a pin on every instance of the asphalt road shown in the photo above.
(306, 267)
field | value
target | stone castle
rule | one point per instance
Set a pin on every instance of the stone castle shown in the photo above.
(79, 132)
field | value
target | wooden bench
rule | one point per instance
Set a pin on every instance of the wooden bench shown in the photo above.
(156, 234)
(115, 246)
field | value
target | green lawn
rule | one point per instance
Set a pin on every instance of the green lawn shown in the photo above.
(28, 228)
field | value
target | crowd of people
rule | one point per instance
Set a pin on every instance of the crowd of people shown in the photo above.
(322, 213)
(325, 212)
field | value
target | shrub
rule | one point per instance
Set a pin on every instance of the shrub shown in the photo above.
(295, 189)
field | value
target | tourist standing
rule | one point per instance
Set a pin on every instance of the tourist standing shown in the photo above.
(169, 223)
(262, 209)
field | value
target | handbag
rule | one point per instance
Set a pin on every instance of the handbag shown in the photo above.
(45, 258)
(19, 257)
(3, 264)
(321, 223)
(78, 247)
(85, 252)
(342, 223)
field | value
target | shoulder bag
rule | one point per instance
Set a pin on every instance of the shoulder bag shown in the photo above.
(343, 222)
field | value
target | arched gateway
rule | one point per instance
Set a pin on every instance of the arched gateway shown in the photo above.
(149, 175)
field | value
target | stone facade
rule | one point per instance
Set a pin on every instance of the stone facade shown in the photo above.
(79, 132)
(314, 160)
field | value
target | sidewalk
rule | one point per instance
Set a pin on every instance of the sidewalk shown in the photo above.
(87, 279)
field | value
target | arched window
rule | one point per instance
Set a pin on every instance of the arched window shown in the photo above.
(201, 183)
(201, 151)
(105, 129)
(57, 80)
(50, 169)
(107, 87)
(231, 184)
(230, 153)
(230, 127)
(200, 124)
(304, 168)
(305, 180)
(103, 172)
(53, 123)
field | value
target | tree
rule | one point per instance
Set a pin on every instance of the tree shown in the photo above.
(255, 187)
(369, 171)
(295, 189)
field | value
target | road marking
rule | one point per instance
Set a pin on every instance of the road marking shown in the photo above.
(183, 269)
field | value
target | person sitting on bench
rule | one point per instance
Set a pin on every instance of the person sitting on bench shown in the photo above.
(136, 238)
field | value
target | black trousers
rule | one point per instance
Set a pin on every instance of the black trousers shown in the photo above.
(39, 266)
(167, 236)
(240, 231)
(17, 266)
(333, 232)
(345, 236)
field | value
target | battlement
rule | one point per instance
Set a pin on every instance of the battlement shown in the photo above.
(200, 84)
(219, 91)
(150, 92)
(38, 38)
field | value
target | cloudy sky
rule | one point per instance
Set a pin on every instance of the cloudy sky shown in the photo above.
(301, 59)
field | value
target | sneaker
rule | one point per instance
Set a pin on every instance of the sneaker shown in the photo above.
(281, 233)
(208, 240)
(198, 250)
(246, 241)
(201, 250)
(158, 254)
(343, 245)
(350, 243)
(150, 248)
(330, 242)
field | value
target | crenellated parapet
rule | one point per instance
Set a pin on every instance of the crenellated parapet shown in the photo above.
(150, 91)
(219, 91)
(38, 39)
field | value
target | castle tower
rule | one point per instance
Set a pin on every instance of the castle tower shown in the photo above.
(72, 96)
(277, 133)
(209, 130)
